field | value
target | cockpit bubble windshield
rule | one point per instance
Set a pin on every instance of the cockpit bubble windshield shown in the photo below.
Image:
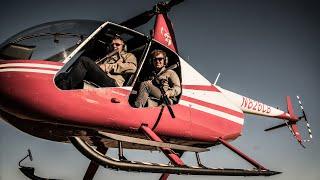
(52, 41)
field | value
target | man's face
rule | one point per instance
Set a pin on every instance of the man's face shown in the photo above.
(158, 61)
(117, 44)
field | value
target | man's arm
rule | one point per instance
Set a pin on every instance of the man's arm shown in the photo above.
(128, 65)
(175, 90)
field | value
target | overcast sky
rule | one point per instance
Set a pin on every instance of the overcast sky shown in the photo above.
(264, 49)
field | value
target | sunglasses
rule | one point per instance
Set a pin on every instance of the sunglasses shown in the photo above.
(116, 44)
(158, 59)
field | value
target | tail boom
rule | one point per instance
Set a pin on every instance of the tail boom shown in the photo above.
(250, 106)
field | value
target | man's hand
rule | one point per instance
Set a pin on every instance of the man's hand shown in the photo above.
(107, 67)
(103, 67)
(169, 93)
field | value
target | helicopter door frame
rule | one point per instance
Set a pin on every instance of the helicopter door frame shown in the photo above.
(142, 65)
(76, 53)
(144, 57)
(68, 62)
(84, 43)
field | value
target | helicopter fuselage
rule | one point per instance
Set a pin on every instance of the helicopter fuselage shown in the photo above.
(30, 94)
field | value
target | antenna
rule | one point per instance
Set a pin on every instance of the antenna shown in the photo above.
(30, 155)
(215, 82)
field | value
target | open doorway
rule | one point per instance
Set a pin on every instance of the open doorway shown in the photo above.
(158, 82)
(101, 63)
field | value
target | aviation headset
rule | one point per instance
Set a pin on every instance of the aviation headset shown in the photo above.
(156, 52)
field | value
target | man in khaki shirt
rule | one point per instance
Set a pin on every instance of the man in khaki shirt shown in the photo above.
(168, 79)
(110, 73)
(119, 64)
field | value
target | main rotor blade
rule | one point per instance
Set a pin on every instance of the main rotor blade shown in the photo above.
(144, 17)
(173, 3)
(139, 19)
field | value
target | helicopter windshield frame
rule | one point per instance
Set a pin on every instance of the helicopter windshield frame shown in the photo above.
(104, 26)
(52, 41)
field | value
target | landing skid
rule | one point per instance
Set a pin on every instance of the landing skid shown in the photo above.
(29, 171)
(126, 165)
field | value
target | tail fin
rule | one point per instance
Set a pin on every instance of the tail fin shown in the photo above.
(163, 32)
(295, 131)
(293, 117)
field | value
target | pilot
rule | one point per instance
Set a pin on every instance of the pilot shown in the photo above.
(161, 78)
(110, 73)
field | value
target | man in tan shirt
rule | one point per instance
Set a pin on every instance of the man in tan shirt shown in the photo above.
(110, 73)
(168, 79)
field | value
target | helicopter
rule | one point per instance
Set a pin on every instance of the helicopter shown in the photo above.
(206, 114)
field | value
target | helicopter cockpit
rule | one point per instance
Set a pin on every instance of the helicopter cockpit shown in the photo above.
(52, 41)
(99, 45)
(66, 41)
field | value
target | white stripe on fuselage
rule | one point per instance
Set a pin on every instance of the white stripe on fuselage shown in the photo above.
(212, 111)
(212, 97)
(28, 70)
(36, 65)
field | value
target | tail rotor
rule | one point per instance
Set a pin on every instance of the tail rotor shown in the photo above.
(304, 117)
(291, 123)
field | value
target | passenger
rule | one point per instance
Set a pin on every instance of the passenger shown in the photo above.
(109, 73)
(168, 79)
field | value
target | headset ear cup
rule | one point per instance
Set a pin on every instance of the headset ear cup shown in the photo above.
(125, 48)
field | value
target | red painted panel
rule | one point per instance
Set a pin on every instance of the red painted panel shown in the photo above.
(34, 96)
(198, 87)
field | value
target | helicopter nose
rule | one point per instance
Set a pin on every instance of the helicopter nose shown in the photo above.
(14, 86)
(23, 83)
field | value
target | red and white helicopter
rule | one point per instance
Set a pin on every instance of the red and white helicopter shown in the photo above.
(94, 119)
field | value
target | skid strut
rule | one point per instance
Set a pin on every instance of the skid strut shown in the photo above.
(164, 176)
(93, 167)
(120, 151)
(245, 157)
(198, 160)
(174, 158)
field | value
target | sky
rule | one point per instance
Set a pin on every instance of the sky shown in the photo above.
(264, 49)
